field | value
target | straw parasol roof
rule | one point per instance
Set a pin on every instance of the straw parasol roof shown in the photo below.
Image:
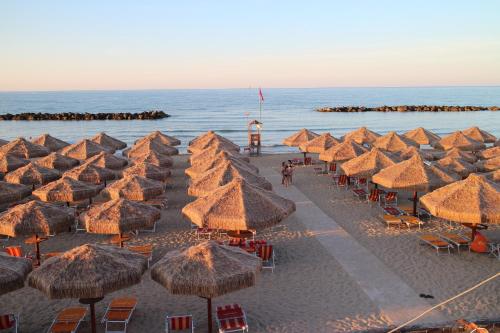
(473, 200)
(84, 149)
(119, 216)
(208, 139)
(148, 170)
(147, 145)
(492, 175)
(464, 155)
(459, 166)
(422, 136)
(35, 217)
(319, 144)
(361, 136)
(491, 164)
(88, 271)
(343, 151)
(222, 175)
(489, 153)
(479, 135)
(367, 164)
(154, 158)
(458, 140)
(3, 142)
(66, 189)
(48, 141)
(32, 174)
(135, 188)
(11, 162)
(221, 157)
(13, 272)
(300, 137)
(211, 152)
(205, 136)
(90, 173)
(108, 141)
(393, 142)
(412, 151)
(57, 161)
(21, 147)
(239, 205)
(13, 192)
(107, 160)
(163, 138)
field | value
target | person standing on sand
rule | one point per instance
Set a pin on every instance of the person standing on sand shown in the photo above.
(283, 173)
(289, 172)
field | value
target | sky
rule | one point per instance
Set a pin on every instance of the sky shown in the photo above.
(120, 44)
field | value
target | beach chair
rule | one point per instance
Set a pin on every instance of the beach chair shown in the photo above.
(146, 250)
(308, 161)
(204, 232)
(118, 314)
(359, 193)
(179, 323)
(411, 221)
(436, 242)
(333, 168)
(362, 182)
(17, 251)
(391, 198)
(68, 320)
(231, 318)
(9, 322)
(494, 250)
(297, 161)
(374, 196)
(456, 239)
(266, 253)
(392, 220)
(395, 211)
(340, 181)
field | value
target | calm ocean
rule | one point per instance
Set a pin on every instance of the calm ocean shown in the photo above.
(227, 111)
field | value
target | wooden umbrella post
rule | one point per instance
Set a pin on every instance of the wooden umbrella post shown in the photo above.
(326, 167)
(415, 198)
(91, 302)
(209, 310)
(37, 247)
(473, 232)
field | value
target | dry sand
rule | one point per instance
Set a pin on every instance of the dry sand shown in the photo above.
(308, 292)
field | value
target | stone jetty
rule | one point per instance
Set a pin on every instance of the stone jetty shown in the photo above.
(146, 115)
(409, 108)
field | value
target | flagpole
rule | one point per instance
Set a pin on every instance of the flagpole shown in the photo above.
(260, 110)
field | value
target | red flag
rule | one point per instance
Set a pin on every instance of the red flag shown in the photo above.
(261, 97)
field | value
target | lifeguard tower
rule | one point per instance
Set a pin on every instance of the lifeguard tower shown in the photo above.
(254, 137)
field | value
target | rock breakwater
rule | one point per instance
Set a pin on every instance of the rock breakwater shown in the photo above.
(146, 115)
(409, 108)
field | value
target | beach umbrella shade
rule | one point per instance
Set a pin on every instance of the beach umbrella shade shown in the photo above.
(163, 138)
(66, 190)
(119, 216)
(422, 136)
(108, 161)
(206, 270)
(489, 153)
(146, 145)
(459, 166)
(10, 163)
(48, 141)
(393, 142)
(219, 158)
(13, 192)
(154, 158)
(58, 162)
(135, 188)
(88, 272)
(32, 174)
(464, 155)
(21, 147)
(209, 139)
(319, 144)
(84, 150)
(479, 135)
(412, 151)
(3, 142)
(211, 152)
(221, 175)
(493, 175)
(237, 206)
(91, 173)
(108, 141)
(342, 152)
(361, 136)
(206, 136)
(367, 164)
(491, 164)
(413, 175)
(458, 140)
(35, 218)
(472, 201)
(13, 272)
(300, 137)
(148, 170)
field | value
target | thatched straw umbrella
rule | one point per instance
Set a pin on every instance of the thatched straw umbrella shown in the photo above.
(319, 144)
(221, 175)
(300, 137)
(342, 152)
(145, 146)
(480, 135)
(108, 161)
(206, 270)
(422, 136)
(13, 272)
(367, 164)
(493, 176)
(206, 136)
(90, 173)
(3, 142)
(210, 140)
(458, 140)
(222, 156)
(119, 216)
(13, 192)
(491, 164)
(459, 166)
(361, 136)
(66, 190)
(148, 170)
(464, 155)
(393, 142)
(53, 144)
(10, 163)
(108, 141)
(84, 149)
(35, 218)
(211, 152)
(239, 205)
(163, 138)
(413, 175)
(412, 151)
(489, 153)
(135, 188)
(88, 272)
(32, 174)
(473, 200)
(152, 157)
(24, 149)
(58, 161)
